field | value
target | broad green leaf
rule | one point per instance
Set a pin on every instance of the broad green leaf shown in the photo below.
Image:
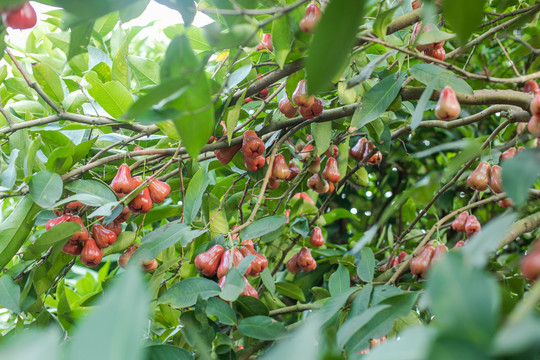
(281, 39)
(155, 95)
(49, 81)
(80, 38)
(180, 60)
(433, 36)
(263, 226)
(123, 241)
(268, 281)
(234, 285)
(238, 76)
(146, 71)
(339, 281)
(440, 78)
(92, 187)
(56, 234)
(195, 190)
(361, 301)
(232, 117)
(10, 294)
(9, 175)
(381, 23)
(413, 344)
(520, 173)
(463, 16)
(120, 68)
(186, 292)
(220, 309)
(290, 290)
(327, 54)
(123, 312)
(248, 306)
(421, 105)
(513, 338)
(261, 327)
(167, 352)
(366, 266)
(300, 345)
(112, 95)
(45, 188)
(352, 325)
(377, 100)
(333, 305)
(322, 133)
(36, 343)
(219, 224)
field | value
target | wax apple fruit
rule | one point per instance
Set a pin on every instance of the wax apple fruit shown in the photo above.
(316, 239)
(305, 260)
(91, 254)
(420, 264)
(479, 178)
(534, 125)
(531, 86)
(331, 172)
(292, 264)
(535, 105)
(472, 226)
(102, 236)
(294, 170)
(357, 151)
(208, 262)
(142, 203)
(495, 179)
(280, 169)
(20, 17)
(287, 108)
(447, 107)
(530, 264)
(318, 185)
(459, 223)
(158, 190)
(313, 110)
(225, 156)
(123, 260)
(300, 95)
(266, 43)
(259, 263)
(252, 145)
(311, 18)
(122, 182)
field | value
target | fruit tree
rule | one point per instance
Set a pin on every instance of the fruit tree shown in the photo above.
(274, 179)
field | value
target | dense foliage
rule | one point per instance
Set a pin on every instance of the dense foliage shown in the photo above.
(294, 180)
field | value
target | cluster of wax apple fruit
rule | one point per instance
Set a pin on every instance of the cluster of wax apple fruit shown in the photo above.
(309, 106)
(303, 260)
(394, 262)
(217, 261)
(530, 264)
(434, 50)
(429, 255)
(534, 122)
(19, 17)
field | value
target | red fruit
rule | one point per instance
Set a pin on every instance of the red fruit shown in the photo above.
(80, 235)
(506, 203)
(102, 236)
(472, 226)
(122, 182)
(137, 148)
(292, 264)
(266, 43)
(264, 93)
(300, 95)
(150, 265)
(479, 178)
(252, 145)
(304, 196)
(436, 53)
(225, 156)
(311, 18)
(535, 105)
(20, 17)
(531, 86)
(273, 183)
(115, 227)
(534, 125)
(305, 154)
(402, 255)
(495, 179)
(123, 260)
(280, 170)
(207, 262)
(331, 187)
(508, 154)
(294, 170)
(447, 107)
(158, 190)
(416, 4)
(248, 100)
(331, 172)
(318, 185)
(72, 248)
(316, 239)
(124, 215)
(305, 260)
(254, 164)
(520, 149)
(420, 264)
(416, 32)
(358, 150)
(142, 203)
(313, 110)
(459, 244)
(259, 263)
(287, 108)
(333, 151)
(375, 158)
(249, 290)
(91, 255)
(230, 258)
(439, 251)
(61, 219)
(459, 223)
(530, 264)
(74, 207)
(315, 165)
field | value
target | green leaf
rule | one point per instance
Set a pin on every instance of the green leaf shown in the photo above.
(263, 226)
(45, 188)
(9, 175)
(56, 234)
(366, 266)
(33, 343)
(146, 71)
(463, 16)
(382, 21)
(281, 39)
(354, 324)
(167, 352)
(333, 305)
(464, 300)
(361, 301)
(322, 133)
(10, 294)
(261, 327)
(196, 188)
(80, 38)
(186, 292)
(92, 187)
(327, 55)
(234, 285)
(180, 60)
(439, 77)
(377, 100)
(520, 173)
(123, 312)
(49, 81)
(339, 281)
(113, 97)
(221, 310)
(513, 338)
(433, 36)
(238, 75)
(248, 306)
(413, 344)
(120, 68)
(290, 290)
(123, 241)
(300, 345)
(421, 106)
(232, 117)
(268, 281)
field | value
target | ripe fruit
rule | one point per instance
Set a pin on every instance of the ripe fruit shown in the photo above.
(472, 226)
(259, 263)
(416, 32)
(158, 190)
(420, 264)
(287, 108)
(20, 17)
(495, 179)
(280, 170)
(142, 203)
(313, 110)
(254, 164)
(305, 260)
(114, 227)
(318, 185)
(508, 154)
(300, 95)
(266, 43)
(459, 244)
(530, 264)
(61, 219)
(534, 125)
(252, 145)
(273, 183)
(535, 105)
(103, 236)
(311, 18)
(292, 264)
(230, 258)
(506, 203)
(316, 239)
(531, 86)
(447, 107)
(72, 248)
(459, 223)
(122, 182)
(331, 172)
(357, 152)
(294, 170)
(150, 265)
(80, 235)
(305, 153)
(315, 165)
(74, 207)
(124, 215)
(91, 255)
(479, 178)
(249, 290)
(207, 262)
(439, 251)
(225, 156)
(416, 4)
(436, 53)
(304, 196)
(248, 100)
(124, 258)
(333, 151)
